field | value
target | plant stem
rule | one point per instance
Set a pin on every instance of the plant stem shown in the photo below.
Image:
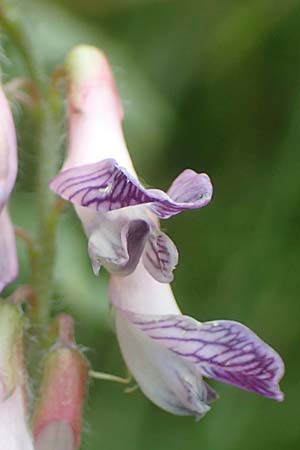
(47, 167)
(30, 244)
(109, 377)
(46, 111)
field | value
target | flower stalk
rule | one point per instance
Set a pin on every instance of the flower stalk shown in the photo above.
(45, 110)
(46, 208)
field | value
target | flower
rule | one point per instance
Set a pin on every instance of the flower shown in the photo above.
(8, 172)
(57, 417)
(14, 433)
(169, 353)
(118, 214)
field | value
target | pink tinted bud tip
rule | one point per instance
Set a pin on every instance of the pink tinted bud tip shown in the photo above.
(57, 419)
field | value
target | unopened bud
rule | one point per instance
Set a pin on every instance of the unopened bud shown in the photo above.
(57, 421)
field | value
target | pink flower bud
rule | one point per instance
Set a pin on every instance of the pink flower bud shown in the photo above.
(57, 419)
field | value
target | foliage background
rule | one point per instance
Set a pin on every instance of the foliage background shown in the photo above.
(214, 86)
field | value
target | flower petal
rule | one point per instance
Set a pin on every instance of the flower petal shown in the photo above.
(105, 186)
(117, 246)
(160, 256)
(169, 381)
(141, 293)
(8, 150)
(190, 190)
(102, 186)
(14, 433)
(8, 253)
(224, 350)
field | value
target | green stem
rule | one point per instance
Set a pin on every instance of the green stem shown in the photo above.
(45, 113)
(109, 377)
(47, 168)
(30, 244)
(15, 31)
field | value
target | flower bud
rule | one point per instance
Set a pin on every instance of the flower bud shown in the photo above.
(57, 419)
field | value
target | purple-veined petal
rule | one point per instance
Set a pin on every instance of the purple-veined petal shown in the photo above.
(105, 186)
(168, 380)
(102, 186)
(160, 256)
(8, 253)
(117, 245)
(223, 350)
(190, 190)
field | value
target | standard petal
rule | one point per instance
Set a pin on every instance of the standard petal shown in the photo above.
(105, 186)
(169, 381)
(224, 350)
(102, 186)
(117, 246)
(8, 252)
(160, 256)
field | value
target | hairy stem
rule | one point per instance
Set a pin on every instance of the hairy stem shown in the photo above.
(46, 111)
(47, 167)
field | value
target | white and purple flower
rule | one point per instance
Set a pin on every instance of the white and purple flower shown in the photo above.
(119, 215)
(8, 173)
(168, 353)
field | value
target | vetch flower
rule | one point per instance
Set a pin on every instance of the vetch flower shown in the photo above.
(57, 419)
(8, 172)
(14, 433)
(169, 354)
(119, 215)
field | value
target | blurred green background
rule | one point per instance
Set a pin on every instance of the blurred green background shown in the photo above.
(215, 86)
